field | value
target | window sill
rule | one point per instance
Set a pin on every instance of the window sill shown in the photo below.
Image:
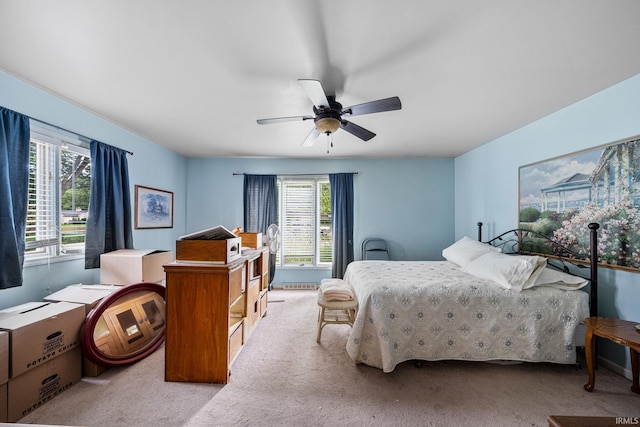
(44, 259)
(303, 267)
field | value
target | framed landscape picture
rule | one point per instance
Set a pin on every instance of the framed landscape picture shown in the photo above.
(560, 197)
(153, 208)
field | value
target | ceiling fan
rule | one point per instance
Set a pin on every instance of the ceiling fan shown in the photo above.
(329, 113)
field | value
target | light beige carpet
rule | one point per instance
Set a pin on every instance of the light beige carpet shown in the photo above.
(282, 377)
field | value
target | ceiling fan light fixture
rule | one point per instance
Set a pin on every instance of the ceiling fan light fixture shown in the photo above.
(327, 124)
(328, 114)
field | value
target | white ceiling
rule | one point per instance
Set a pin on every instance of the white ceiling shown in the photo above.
(195, 75)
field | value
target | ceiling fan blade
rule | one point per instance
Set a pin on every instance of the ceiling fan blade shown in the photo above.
(315, 91)
(356, 130)
(387, 104)
(311, 138)
(283, 119)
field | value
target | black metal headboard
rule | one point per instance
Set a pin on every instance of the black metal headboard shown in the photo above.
(522, 241)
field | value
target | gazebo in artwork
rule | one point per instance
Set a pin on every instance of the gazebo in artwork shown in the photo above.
(556, 195)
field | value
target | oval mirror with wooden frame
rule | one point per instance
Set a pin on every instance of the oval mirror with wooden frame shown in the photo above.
(126, 326)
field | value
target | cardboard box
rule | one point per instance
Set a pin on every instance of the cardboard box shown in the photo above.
(92, 369)
(4, 357)
(3, 403)
(34, 388)
(39, 332)
(88, 295)
(251, 240)
(129, 266)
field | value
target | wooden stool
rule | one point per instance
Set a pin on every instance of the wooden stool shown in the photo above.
(335, 312)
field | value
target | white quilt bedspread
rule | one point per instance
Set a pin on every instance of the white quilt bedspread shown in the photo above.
(431, 310)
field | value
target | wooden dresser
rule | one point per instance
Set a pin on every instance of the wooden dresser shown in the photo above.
(211, 309)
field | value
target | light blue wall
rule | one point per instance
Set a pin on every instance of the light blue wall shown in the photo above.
(151, 166)
(408, 202)
(486, 181)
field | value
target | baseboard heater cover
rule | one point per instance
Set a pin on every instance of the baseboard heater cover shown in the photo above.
(299, 285)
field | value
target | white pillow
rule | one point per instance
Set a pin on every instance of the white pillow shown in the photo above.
(558, 279)
(509, 271)
(466, 250)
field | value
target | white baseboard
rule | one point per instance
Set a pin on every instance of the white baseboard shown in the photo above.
(620, 370)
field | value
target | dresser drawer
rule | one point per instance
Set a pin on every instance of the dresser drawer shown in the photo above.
(253, 306)
(263, 303)
(236, 332)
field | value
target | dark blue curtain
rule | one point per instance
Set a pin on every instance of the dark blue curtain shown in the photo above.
(341, 221)
(260, 202)
(261, 208)
(14, 193)
(109, 220)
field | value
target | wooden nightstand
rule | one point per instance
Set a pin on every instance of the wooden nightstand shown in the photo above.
(620, 332)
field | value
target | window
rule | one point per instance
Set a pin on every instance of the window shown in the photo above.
(59, 187)
(304, 211)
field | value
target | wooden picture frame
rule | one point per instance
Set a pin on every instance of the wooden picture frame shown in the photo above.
(153, 208)
(560, 196)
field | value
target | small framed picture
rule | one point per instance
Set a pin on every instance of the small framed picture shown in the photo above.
(153, 208)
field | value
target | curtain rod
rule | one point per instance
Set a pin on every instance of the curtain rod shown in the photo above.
(69, 131)
(291, 174)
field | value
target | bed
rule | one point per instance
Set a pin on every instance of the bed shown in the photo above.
(476, 305)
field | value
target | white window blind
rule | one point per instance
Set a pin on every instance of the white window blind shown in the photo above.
(304, 212)
(298, 222)
(43, 221)
(58, 197)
